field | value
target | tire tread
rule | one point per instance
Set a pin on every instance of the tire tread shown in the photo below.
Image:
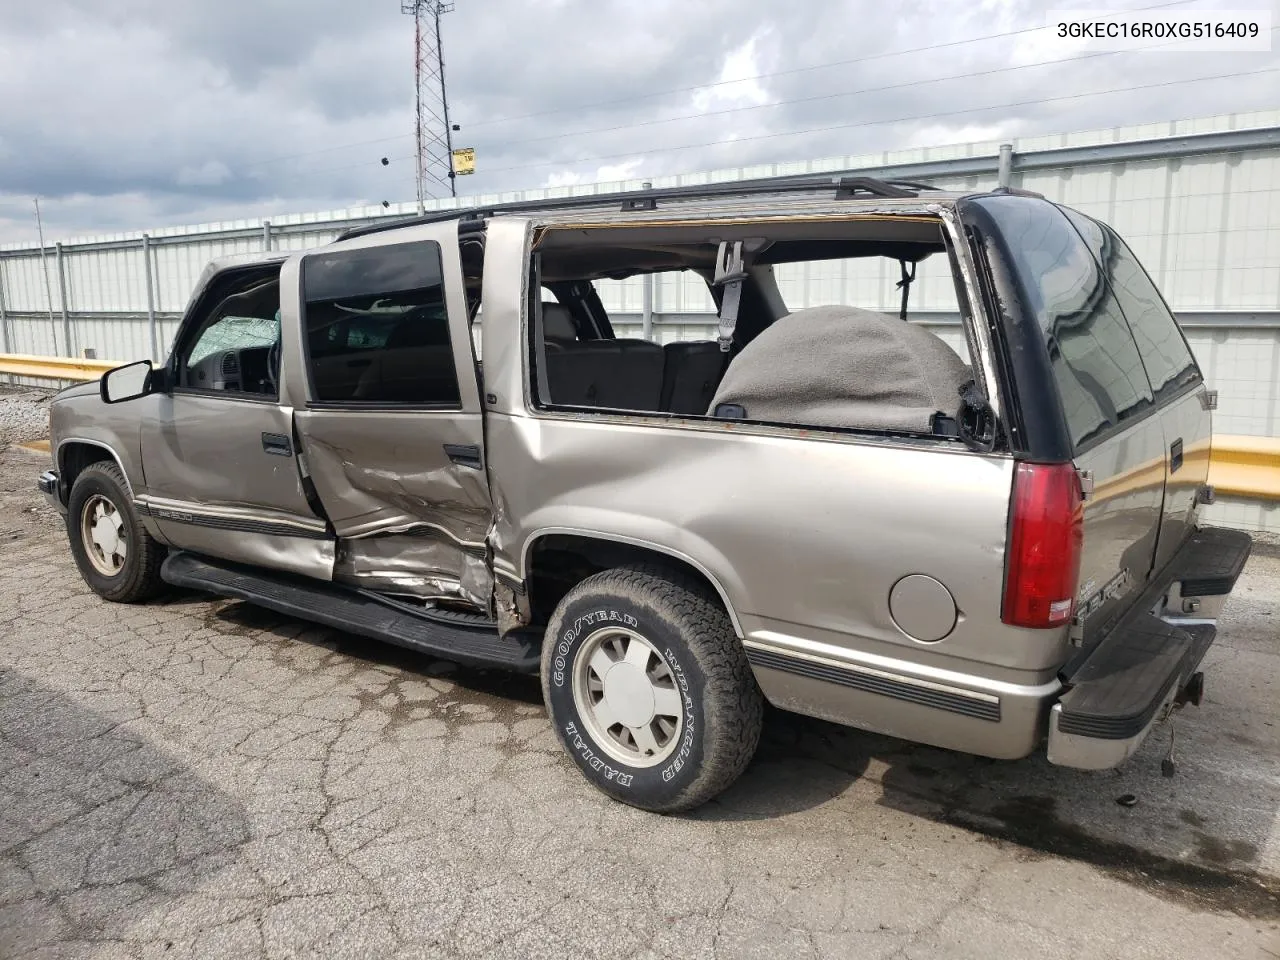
(733, 702)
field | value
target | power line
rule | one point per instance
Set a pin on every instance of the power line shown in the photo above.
(702, 86)
(857, 123)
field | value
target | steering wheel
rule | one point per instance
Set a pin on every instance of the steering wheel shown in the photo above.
(273, 366)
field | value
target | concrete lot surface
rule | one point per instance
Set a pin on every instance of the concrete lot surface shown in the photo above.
(200, 778)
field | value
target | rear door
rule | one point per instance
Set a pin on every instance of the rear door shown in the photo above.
(1112, 426)
(1178, 388)
(390, 418)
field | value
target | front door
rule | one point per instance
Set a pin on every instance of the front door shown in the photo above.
(389, 412)
(222, 475)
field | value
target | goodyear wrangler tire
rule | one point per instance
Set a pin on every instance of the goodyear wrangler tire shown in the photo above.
(649, 689)
(117, 557)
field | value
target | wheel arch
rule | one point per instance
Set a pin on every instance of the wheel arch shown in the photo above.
(547, 580)
(75, 453)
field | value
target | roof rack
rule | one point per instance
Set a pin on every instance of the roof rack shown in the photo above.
(846, 187)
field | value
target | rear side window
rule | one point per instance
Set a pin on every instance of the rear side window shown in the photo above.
(1096, 366)
(1169, 362)
(377, 330)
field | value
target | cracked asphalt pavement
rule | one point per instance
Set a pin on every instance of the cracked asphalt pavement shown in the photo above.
(201, 778)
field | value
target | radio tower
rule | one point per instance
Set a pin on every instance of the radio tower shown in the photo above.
(434, 135)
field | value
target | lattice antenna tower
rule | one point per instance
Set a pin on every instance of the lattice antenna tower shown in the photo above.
(433, 133)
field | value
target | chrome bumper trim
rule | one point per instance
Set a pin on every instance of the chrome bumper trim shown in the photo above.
(1093, 753)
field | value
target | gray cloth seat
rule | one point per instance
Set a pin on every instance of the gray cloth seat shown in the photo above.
(838, 366)
(557, 324)
(691, 372)
(414, 366)
(409, 375)
(618, 374)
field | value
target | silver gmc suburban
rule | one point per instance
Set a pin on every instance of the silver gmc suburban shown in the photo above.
(430, 433)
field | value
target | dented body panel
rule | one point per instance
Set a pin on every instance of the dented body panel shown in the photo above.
(410, 517)
(212, 487)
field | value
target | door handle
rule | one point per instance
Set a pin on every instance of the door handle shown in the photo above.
(1175, 455)
(464, 454)
(278, 444)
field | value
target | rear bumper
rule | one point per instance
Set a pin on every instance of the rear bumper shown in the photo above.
(1133, 676)
(51, 488)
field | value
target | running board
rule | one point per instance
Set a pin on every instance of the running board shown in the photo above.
(473, 644)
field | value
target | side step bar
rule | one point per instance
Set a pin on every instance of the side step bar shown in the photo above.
(475, 644)
(1210, 562)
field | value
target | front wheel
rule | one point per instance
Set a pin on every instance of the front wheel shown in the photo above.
(117, 558)
(649, 689)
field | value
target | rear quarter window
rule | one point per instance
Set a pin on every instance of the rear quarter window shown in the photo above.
(1095, 362)
(1169, 361)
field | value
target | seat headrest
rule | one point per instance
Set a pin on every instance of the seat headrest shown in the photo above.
(557, 324)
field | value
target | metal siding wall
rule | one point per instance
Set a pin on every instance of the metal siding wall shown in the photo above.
(24, 284)
(34, 335)
(1243, 365)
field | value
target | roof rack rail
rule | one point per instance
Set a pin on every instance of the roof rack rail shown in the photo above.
(914, 184)
(847, 187)
(649, 199)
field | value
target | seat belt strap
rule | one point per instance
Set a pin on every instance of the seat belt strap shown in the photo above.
(905, 285)
(731, 271)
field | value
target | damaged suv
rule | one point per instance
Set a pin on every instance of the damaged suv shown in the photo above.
(431, 433)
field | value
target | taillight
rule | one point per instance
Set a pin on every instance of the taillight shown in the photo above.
(1046, 533)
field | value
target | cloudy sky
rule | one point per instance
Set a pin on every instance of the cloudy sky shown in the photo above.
(129, 114)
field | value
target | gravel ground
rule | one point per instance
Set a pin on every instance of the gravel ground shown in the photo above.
(197, 778)
(24, 414)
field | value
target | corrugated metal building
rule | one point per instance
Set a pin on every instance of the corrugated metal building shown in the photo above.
(1198, 200)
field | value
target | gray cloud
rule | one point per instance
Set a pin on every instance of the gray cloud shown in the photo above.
(128, 114)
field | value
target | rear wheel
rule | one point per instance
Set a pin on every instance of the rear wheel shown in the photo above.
(649, 689)
(117, 558)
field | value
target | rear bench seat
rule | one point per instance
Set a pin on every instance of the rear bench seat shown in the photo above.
(619, 374)
(628, 374)
(690, 376)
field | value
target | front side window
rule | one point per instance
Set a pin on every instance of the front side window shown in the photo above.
(1095, 363)
(377, 330)
(234, 349)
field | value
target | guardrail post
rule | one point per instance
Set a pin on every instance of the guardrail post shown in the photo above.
(1004, 171)
(62, 299)
(151, 299)
(266, 234)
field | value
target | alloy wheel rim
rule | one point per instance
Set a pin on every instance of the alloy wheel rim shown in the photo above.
(103, 534)
(628, 697)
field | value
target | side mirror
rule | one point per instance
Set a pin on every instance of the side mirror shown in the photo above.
(129, 382)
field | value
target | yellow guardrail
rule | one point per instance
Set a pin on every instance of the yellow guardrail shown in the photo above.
(55, 368)
(1246, 467)
(1239, 466)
